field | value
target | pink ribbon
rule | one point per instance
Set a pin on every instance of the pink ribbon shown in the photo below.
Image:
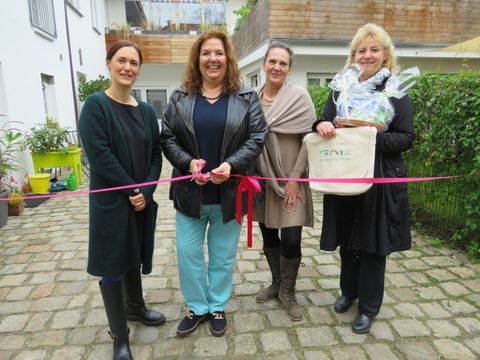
(247, 184)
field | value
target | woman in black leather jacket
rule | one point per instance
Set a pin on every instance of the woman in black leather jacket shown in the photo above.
(213, 126)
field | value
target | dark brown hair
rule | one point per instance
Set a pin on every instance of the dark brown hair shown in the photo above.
(117, 45)
(192, 78)
(275, 44)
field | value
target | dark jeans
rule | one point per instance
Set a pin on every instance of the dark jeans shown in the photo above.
(362, 276)
(290, 240)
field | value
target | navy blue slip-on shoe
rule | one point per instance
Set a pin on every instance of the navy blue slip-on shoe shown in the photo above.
(190, 322)
(218, 323)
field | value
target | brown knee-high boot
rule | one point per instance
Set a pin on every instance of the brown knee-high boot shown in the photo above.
(273, 259)
(289, 272)
(135, 304)
(117, 320)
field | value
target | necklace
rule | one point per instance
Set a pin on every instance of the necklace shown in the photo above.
(212, 98)
(267, 98)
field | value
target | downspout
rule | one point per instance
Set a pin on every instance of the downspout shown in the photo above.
(72, 77)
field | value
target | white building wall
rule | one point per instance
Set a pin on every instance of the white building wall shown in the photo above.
(28, 55)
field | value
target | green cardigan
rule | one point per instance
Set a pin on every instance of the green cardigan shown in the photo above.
(111, 213)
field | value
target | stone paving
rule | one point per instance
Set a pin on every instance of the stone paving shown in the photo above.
(51, 309)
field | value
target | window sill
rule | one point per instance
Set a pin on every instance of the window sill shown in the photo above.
(43, 34)
(75, 10)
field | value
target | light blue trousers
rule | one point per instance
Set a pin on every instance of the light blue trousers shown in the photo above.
(206, 287)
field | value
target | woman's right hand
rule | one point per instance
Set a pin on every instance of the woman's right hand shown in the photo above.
(326, 128)
(196, 166)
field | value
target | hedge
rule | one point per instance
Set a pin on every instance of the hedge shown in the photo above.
(446, 123)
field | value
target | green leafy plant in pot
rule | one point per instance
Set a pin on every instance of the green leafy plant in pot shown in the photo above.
(11, 142)
(47, 137)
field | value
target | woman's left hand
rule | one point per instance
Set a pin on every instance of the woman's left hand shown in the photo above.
(138, 201)
(292, 193)
(221, 173)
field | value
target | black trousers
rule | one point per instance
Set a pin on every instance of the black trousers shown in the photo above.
(362, 276)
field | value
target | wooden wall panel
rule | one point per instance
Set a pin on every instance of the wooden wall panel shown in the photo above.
(159, 49)
(254, 32)
(429, 22)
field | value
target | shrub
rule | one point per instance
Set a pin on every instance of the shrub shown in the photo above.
(319, 95)
(86, 88)
(447, 116)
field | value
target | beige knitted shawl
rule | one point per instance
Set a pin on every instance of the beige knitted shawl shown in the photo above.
(292, 112)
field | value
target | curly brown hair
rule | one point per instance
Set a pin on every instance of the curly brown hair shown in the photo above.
(192, 78)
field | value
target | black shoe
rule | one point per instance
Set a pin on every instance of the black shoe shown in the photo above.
(190, 322)
(362, 324)
(218, 323)
(342, 304)
(146, 316)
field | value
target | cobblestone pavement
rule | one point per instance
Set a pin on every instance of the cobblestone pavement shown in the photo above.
(50, 308)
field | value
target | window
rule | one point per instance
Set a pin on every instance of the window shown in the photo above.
(3, 99)
(319, 79)
(137, 94)
(93, 8)
(49, 97)
(254, 81)
(158, 99)
(176, 15)
(74, 3)
(42, 16)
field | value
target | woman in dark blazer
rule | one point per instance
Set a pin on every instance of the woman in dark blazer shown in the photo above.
(120, 135)
(370, 226)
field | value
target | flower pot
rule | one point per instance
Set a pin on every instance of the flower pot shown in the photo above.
(3, 209)
(16, 210)
(40, 183)
(72, 158)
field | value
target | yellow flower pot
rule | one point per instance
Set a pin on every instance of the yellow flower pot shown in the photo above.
(40, 183)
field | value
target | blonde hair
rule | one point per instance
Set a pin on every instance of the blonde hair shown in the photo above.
(384, 40)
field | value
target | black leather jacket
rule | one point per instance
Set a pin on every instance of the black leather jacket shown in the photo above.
(243, 140)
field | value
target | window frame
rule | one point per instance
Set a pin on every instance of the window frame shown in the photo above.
(42, 17)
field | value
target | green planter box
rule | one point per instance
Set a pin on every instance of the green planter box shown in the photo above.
(58, 159)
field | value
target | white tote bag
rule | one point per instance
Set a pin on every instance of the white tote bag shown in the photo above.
(350, 154)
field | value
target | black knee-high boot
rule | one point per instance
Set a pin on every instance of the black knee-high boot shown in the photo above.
(135, 304)
(117, 320)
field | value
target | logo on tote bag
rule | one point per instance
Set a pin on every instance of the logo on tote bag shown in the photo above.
(335, 154)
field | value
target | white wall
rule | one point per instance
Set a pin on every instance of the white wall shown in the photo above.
(23, 65)
(318, 60)
(27, 54)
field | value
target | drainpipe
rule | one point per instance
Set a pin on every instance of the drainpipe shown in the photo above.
(72, 76)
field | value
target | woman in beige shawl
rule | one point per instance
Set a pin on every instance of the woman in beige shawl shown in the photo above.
(288, 205)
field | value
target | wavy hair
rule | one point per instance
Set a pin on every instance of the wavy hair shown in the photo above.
(192, 78)
(384, 40)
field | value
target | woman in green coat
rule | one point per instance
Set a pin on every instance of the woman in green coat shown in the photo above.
(120, 136)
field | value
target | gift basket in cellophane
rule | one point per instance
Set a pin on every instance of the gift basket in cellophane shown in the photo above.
(359, 104)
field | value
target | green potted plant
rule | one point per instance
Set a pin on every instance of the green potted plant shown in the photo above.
(16, 204)
(11, 142)
(48, 144)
